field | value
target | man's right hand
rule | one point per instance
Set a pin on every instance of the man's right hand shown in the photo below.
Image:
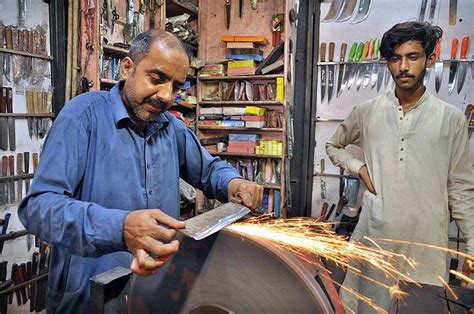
(150, 231)
(365, 177)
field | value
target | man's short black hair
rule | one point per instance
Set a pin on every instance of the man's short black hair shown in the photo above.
(141, 44)
(425, 33)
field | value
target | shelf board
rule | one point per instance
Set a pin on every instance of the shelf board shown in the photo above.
(177, 7)
(241, 103)
(241, 129)
(116, 50)
(227, 154)
(28, 115)
(26, 54)
(240, 77)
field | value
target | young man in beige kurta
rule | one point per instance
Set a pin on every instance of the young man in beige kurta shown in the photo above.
(416, 166)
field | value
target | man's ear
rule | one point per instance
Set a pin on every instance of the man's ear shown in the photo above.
(127, 68)
(431, 60)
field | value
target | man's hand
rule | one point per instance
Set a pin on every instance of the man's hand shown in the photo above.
(467, 269)
(365, 177)
(148, 232)
(250, 193)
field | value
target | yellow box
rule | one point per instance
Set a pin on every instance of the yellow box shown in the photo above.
(280, 89)
(255, 110)
(240, 64)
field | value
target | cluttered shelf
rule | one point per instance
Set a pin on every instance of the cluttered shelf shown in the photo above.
(240, 77)
(241, 102)
(228, 154)
(26, 54)
(240, 129)
(113, 49)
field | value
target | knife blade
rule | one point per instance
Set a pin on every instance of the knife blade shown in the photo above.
(453, 66)
(438, 67)
(355, 67)
(453, 7)
(386, 77)
(433, 7)
(227, 13)
(5, 183)
(26, 160)
(361, 67)
(334, 10)
(342, 67)
(29, 109)
(362, 11)
(3, 120)
(35, 162)
(375, 66)
(19, 171)
(421, 15)
(241, 4)
(322, 58)
(462, 65)
(10, 120)
(368, 66)
(331, 73)
(346, 11)
(11, 165)
(348, 67)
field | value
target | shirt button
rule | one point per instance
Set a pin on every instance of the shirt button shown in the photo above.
(401, 149)
(399, 109)
(149, 192)
(403, 139)
(401, 118)
(401, 159)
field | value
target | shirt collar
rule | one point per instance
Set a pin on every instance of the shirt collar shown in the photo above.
(423, 99)
(120, 113)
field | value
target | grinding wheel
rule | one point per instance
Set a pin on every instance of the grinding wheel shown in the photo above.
(229, 273)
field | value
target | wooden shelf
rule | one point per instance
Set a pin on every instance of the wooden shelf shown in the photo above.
(227, 154)
(26, 54)
(241, 103)
(240, 77)
(240, 129)
(177, 7)
(116, 50)
(108, 82)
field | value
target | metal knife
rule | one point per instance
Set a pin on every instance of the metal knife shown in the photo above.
(421, 15)
(368, 66)
(438, 67)
(386, 77)
(11, 120)
(375, 66)
(462, 65)
(19, 171)
(331, 72)
(346, 11)
(35, 162)
(227, 13)
(6, 220)
(322, 58)
(453, 66)
(342, 67)
(434, 5)
(348, 67)
(361, 67)
(26, 160)
(11, 165)
(453, 7)
(355, 67)
(4, 185)
(3, 120)
(362, 11)
(334, 10)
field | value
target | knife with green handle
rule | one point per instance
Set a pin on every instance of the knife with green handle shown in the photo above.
(360, 50)
(375, 66)
(361, 67)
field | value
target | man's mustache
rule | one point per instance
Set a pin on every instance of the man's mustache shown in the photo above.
(155, 102)
(404, 75)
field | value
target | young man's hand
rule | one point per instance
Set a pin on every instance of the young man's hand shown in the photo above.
(467, 269)
(365, 177)
(250, 193)
(150, 231)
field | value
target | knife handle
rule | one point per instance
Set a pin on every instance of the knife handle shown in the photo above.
(365, 51)
(26, 160)
(438, 49)
(377, 49)
(352, 52)
(11, 160)
(4, 166)
(331, 51)
(19, 163)
(360, 50)
(3, 99)
(35, 162)
(370, 50)
(9, 100)
(464, 46)
(343, 52)
(454, 48)
(322, 52)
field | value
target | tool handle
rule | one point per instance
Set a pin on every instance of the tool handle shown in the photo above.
(35, 162)
(11, 160)
(4, 166)
(438, 49)
(343, 52)
(26, 160)
(331, 51)
(352, 52)
(322, 52)
(377, 49)
(370, 50)
(360, 50)
(3, 100)
(464, 46)
(454, 48)
(19, 163)
(365, 51)
(9, 100)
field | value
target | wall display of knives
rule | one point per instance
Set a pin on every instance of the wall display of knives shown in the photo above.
(15, 170)
(366, 67)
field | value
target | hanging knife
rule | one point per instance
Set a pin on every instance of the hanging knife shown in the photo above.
(361, 67)
(347, 10)
(462, 65)
(334, 10)
(241, 4)
(19, 171)
(354, 66)
(322, 58)
(434, 4)
(438, 67)
(382, 69)
(11, 165)
(362, 11)
(368, 66)
(375, 66)
(26, 161)
(453, 66)
(35, 162)
(453, 7)
(331, 72)
(342, 68)
(11, 120)
(3, 120)
(227, 13)
(421, 15)
(3, 184)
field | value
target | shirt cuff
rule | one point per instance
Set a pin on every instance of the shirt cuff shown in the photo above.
(225, 184)
(108, 229)
(354, 166)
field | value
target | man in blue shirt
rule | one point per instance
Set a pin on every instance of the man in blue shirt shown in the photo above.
(106, 192)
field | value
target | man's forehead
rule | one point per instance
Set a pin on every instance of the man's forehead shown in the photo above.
(409, 45)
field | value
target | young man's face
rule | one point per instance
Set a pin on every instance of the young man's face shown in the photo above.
(152, 85)
(408, 65)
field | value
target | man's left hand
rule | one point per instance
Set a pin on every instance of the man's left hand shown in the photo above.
(250, 193)
(467, 269)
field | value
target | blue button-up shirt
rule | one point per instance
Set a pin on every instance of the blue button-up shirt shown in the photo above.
(96, 166)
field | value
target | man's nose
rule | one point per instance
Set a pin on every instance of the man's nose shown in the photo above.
(165, 93)
(404, 66)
